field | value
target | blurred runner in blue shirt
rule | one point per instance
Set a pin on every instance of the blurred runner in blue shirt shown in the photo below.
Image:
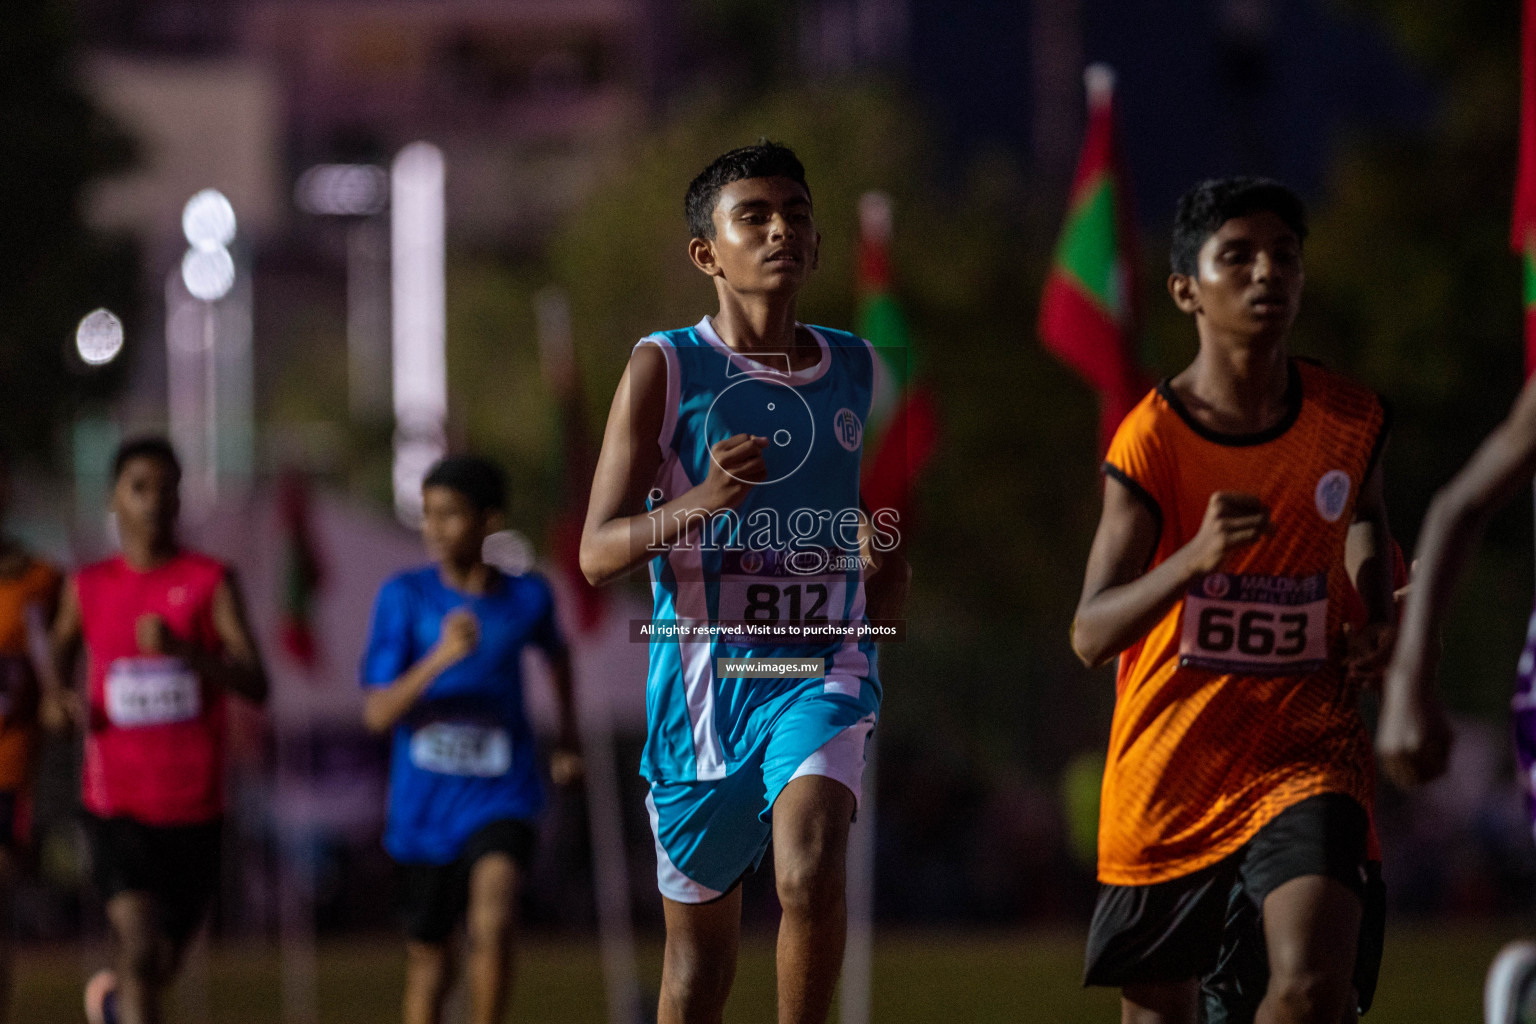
(443, 673)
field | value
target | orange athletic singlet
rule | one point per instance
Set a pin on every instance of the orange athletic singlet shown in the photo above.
(36, 586)
(1234, 706)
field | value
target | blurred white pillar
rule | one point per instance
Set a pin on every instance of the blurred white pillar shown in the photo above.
(420, 320)
(858, 956)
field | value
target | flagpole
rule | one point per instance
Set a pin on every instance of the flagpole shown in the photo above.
(858, 958)
(605, 816)
(876, 222)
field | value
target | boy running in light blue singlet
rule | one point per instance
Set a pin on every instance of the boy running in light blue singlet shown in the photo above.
(730, 466)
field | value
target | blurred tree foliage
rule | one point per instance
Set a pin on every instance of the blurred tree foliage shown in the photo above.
(53, 270)
(1412, 288)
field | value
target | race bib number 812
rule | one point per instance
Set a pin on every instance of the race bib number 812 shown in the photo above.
(1256, 625)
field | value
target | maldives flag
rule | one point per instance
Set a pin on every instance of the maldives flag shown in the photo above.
(1522, 235)
(903, 418)
(1088, 311)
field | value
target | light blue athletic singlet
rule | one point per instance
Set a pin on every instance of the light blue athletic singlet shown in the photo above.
(786, 556)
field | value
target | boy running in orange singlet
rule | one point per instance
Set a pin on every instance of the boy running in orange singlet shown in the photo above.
(29, 595)
(1243, 498)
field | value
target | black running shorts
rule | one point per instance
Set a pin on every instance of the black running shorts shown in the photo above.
(433, 897)
(1208, 924)
(176, 864)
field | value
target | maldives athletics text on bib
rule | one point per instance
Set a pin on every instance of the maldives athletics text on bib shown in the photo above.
(1255, 624)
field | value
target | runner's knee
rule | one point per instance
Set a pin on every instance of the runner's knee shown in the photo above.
(492, 911)
(810, 881)
(1310, 994)
(426, 965)
(697, 975)
(488, 925)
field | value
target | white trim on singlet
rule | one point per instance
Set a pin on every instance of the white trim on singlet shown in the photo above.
(745, 363)
(695, 653)
(674, 387)
(850, 662)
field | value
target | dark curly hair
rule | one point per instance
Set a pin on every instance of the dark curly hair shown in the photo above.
(764, 160)
(1206, 207)
(150, 446)
(479, 480)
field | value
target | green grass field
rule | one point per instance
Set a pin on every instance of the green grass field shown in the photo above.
(1431, 975)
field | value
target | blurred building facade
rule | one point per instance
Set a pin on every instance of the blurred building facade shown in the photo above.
(526, 99)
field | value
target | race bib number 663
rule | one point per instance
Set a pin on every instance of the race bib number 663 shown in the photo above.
(1256, 625)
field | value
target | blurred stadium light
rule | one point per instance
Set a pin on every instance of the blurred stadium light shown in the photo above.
(342, 190)
(420, 321)
(208, 220)
(208, 353)
(209, 274)
(99, 338)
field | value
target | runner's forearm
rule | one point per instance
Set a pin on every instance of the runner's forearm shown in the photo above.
(1116, 617)
(386, 705)
(613, 548)
(237, 676)
(1453, 528)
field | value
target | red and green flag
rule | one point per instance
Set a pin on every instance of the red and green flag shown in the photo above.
(1522, 235)
(1088, 314)
(903, 417)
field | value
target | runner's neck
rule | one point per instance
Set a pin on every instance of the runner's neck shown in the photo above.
(14, 559)
(1236, 391)
(473, 579)
(752, 325)
(148, 555)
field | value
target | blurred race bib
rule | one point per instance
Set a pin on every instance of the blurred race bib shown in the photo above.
(462, 748)
(151, 691)
(1254, 624)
